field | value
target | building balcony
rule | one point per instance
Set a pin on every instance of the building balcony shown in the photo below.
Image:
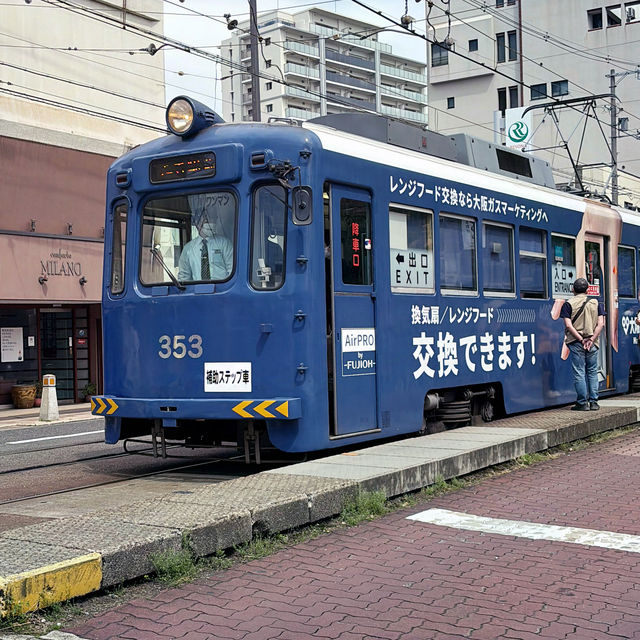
(353, 40)
(403, 93)
(300, 70)
(303, 114)
(340, 78)
(294, 92)
(302, 48)
(403, 113)
(350, 60)
(403, 73)
(367, 43)
(351, 102)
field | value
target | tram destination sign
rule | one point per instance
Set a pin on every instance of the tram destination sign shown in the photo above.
(187, 167)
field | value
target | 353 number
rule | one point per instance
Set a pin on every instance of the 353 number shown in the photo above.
(177, 347)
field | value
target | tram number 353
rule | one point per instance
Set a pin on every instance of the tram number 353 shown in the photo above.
(175, 346)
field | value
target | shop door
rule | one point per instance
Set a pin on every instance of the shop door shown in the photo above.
(56, 346)
(354, 334)
(595, 273)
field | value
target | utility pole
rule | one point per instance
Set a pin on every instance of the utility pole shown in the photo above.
(614, 137)
(255, 67)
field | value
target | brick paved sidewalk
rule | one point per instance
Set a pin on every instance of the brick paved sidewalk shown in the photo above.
(397, 578)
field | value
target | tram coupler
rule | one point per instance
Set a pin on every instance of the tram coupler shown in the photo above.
(251, 435)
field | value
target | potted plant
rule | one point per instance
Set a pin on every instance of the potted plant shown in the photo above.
(23, 395)
(88, 390)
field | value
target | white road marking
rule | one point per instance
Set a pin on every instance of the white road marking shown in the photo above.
(531, 530)
(70, 435)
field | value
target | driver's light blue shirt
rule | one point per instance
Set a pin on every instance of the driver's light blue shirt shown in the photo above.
(220, 259)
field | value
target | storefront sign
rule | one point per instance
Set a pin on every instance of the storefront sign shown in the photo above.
(60, 263)
(11, 344)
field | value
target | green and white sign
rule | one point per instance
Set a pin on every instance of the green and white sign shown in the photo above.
(518, 129)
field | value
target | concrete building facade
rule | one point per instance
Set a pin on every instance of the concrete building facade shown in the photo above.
(72, 99)
(316, 63)
(516, 54)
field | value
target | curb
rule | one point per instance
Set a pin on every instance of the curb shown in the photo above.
(42, 587)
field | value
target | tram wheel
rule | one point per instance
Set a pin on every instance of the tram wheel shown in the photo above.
(487, 411)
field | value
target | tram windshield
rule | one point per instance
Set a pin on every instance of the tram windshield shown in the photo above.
(188, 238)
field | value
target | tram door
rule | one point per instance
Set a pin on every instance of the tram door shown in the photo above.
(596, 269)
(353, 319)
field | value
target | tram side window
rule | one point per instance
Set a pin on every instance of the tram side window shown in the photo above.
(458, 270)
(355, 242)
(627, 272)
(190, 236)
(268, 237)
(118, 249)
(411, 249)
(533, 263)
(497, 259)
(563, 266)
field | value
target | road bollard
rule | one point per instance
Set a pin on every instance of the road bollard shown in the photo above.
(49, 405)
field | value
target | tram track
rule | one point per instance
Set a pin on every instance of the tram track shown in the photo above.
(105, 456)
(105, 483)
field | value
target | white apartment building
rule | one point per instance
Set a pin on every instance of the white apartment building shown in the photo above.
(316, 63)
(531, 53)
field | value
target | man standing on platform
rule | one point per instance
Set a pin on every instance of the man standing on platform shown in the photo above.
(584, 322)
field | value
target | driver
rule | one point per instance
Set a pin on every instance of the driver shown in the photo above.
(208, 256)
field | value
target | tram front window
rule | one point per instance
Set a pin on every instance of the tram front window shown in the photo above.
(188, 238)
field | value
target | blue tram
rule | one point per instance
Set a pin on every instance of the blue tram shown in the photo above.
(349, 278)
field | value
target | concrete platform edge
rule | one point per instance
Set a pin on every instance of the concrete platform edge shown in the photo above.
(294, 498)
(38, 588)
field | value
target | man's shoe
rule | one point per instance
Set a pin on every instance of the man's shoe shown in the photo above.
(580, 407)
(594, 406)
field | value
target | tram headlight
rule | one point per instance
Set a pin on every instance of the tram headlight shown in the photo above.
(186, 116)
(180, 116)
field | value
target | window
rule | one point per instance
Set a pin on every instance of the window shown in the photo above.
(473, 45)
(269, 108)
(439, 54)
(497, 259)
(269, 86)
(513, 45)
(559, 88)
(451, 103)
(411, 249)
(500, 47)
(190, 237)
(118, 246)
(499, 3)
(502, 100)
(594, 19)
(267, 63)
(563, 267)
(355, 242)
(511, 2)
(533, 263)
(268, 235)
(513, 97)
(627, 272)
(632, 11)
(538, 91)
(614, 15)
(458, 270)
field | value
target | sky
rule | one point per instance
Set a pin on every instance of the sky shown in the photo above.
(194, 76)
